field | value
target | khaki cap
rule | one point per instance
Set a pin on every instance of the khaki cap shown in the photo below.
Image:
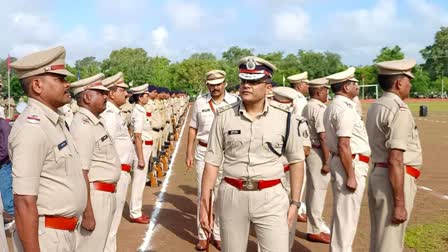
(345, 75)
(396, 67)
(116, 80)
(319, 82)
(140, 89)
(297, 78)
(91, 83)
(48, 61)
(215, 77)
(283, 93)
(255, 68)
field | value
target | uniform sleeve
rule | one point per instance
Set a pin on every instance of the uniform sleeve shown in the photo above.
(138, 121)
(85, 140)
(304, 133)
(28, 151)
(319, 120)
(400, 128)
(215, 153)
(345, 121)
(112, 124)
(294, 147)
(194, 116)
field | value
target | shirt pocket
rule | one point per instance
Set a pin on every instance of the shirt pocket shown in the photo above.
(60, 157)
(234, 145)
(272, 144)
(105, 149)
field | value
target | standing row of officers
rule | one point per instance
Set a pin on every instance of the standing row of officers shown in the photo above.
(254, 151)
(71, 173)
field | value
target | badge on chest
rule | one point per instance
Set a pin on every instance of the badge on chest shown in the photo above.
(234, 132)
(62, 145)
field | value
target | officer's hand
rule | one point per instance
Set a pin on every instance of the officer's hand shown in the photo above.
(141, 164)
(292, 215)
(351, 184)
(400, 215)
(188, 162)
(88, 220)
(325, 169)
(203, 219)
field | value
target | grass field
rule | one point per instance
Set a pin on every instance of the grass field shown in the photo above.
(428, 237)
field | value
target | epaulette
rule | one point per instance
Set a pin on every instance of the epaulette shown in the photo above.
(349, 104)
(34, 119)
(227, 107)
(278, 107)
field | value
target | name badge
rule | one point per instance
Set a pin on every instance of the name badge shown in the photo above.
(234, 132)
(104, 138)
(62, 145)
(205, 110)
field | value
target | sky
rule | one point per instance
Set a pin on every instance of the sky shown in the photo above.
(355, 29)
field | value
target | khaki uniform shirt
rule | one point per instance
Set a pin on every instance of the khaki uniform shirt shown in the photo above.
(156, 116)
(119, 133)
(299, 103)
(202, 115)
(98, 154)
(141, 122)
(46, 162)
(342, 120)
(314, 113)
(390, 125)
(126, 111)
(243, 144)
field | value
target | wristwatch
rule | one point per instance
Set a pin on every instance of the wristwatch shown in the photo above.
(296, 203)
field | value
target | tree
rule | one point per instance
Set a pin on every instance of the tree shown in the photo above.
(234, 54)
(133, 62)
(387, 54)
(159, 71)
(87, 67)
(319, 64)
(436, 55)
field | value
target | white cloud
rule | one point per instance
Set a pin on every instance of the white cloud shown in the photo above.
(159, 37)
(291, 26)
(185, 16)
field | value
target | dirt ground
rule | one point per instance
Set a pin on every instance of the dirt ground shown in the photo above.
(175, 225)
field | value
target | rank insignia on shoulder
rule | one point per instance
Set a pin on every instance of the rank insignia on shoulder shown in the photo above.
(62, 145)
(33, 119)
(234, 132)
(104, 138)
(349, 105)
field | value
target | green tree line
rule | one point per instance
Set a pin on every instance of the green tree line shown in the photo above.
(188, 74)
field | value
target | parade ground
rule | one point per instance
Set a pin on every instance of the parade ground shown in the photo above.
(172, 205)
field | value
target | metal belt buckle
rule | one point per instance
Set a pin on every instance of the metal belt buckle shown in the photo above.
(250, 185)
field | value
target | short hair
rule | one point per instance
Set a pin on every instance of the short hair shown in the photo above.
(313, 90)
(338, 86)
(387, 81)
(25, 84)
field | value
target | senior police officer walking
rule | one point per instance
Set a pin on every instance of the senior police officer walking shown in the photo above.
(142, 134)
(318, 162)
(100, 162)
(248, 138)
(204, 110)
(49, 190)
(396, 155)
(118, 131)
(348, 142)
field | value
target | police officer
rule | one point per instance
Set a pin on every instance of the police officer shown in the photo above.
(318, 162)
(204, 110)
(299, 82)
(119, 133)
(284, 97)
(141, 128)
(100, 162)
(348, 142)
(248, 138)
(49, 190)
(396, 155)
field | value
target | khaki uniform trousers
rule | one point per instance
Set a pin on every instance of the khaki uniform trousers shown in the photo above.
(120, 195)
(103, 204)
(266, 209)
(286, 181)
(386, 236)
(200, 164)
(316, 190)
(3, 243)
(156, 143)
(346, 204)
(138, 183)
(50, 239)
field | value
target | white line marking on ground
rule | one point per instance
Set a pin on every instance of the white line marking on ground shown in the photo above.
(438, 195)
(146, 245)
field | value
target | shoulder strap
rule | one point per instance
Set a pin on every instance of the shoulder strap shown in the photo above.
(288, 127)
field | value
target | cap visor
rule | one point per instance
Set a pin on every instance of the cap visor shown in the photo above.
(253, 77)
(409, 74)
(103, 88)
(122, 85)
(215, 81)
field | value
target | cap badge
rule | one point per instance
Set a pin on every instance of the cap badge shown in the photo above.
(250, 64)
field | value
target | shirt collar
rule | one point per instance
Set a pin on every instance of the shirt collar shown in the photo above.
(316, 101)
(392, 95)
(112, 106)
(227, 97)
(300, 95)
(242, 109)
(52, 115)
(344, 99)
(89, 115)
(140, 107)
